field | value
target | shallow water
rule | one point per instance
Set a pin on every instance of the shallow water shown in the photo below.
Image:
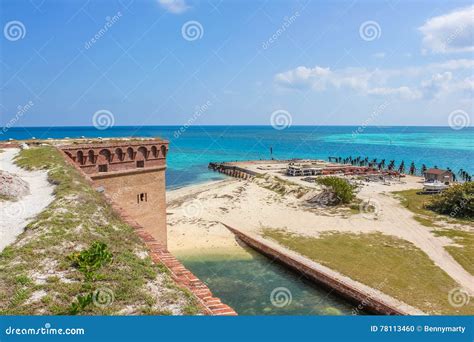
(246, 284)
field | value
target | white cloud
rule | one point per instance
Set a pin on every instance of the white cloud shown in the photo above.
(410, 83)
(379, 55)
(452, 32)
(174, 6)
(303, 77)
(438, 84)
(404, 92)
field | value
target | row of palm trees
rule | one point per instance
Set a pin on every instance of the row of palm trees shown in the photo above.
(412, 170)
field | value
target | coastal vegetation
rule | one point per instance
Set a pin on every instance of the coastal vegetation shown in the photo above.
(391, 265)
(78, 257)
(456, 201)
(343, 191)
(455, 205)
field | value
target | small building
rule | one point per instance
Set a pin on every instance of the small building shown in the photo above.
(439, 175)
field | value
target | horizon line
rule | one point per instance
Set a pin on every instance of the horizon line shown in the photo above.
(239, 125)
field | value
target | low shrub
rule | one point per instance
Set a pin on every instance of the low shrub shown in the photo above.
(343, 190)
(457, 201)
(90, 260)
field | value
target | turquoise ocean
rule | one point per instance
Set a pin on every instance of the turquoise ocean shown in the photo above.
(192, 148)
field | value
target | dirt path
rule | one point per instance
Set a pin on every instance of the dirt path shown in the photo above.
(15, 215)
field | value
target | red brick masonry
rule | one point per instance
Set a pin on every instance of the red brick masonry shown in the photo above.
(181, 275)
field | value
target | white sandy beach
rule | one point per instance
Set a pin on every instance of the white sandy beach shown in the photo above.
(15, 215)
(195, 215)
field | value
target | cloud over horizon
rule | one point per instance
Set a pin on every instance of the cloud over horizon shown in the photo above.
(410, 83)
(449, 33)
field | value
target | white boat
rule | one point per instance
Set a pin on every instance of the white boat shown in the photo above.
(435, 186)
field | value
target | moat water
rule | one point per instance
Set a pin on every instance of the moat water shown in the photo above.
(253, 284)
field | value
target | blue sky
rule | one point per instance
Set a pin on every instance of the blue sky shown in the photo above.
(323, 62)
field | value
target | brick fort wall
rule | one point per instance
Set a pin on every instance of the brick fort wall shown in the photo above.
(132, 174)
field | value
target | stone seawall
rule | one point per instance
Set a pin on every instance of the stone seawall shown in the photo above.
(159, 254)
(364, 298)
